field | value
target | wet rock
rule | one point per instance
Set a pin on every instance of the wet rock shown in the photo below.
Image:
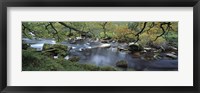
(123, 47)
(107, 38)
(79, 38)
(105, 45)
(104, 41)
(169, 48)
(55, 57)
(122, 63)
(173, 53)
(135, 47)
(147, 49)
(136, 54)
(157, 50)
(67, 57)
(74, 59)
(144, 51)
(161, 48)
(157, 56)
(149, 56)
(173, 48)
(170, 55)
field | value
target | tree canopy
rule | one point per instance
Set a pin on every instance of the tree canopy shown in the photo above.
(140, 32)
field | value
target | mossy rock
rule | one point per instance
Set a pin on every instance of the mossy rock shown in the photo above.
(122, 64)
(135, 47)
(56, 46)
(74, 59)
(55, 49)
(108, 68)
(25, 46)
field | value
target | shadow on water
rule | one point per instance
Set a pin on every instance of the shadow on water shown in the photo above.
(100, 54)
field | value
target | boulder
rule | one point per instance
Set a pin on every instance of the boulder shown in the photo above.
(55, 50)
(147, 49)
(122, 63)
(25, 46)
(74, 59)
(104, 41)
(135, 47)
(136, 54)
(105, 46)
(148, 56)
(123, 47)
(170, 55)
(169, 48)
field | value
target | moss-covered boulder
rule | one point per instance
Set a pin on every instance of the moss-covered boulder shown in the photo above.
(25, 46)
(55, 50)
(74, 59)
(108, 68)
(122, 64)
(135, 47)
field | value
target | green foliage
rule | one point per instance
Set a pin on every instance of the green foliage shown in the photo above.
(120, 31)
(172, 38)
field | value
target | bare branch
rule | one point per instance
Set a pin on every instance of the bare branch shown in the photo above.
(163, 30)
(55, 30)
(62, 23)
(151, 26)
(138, 34)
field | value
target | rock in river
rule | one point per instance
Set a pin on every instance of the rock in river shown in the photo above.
(122, 64)
(25, 46)
(170, 55)
(134, 47)
(74, 59)
(104, 45)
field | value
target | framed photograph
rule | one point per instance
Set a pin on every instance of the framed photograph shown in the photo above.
(99, 46)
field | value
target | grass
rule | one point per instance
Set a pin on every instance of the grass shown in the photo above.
(36, 61)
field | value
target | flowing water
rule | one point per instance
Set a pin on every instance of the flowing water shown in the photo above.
(101, 54)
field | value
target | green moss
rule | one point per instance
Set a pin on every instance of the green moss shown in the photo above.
(25, 46)
(74, 59)
(108, 68)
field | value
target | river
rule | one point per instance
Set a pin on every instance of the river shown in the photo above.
(107, 54)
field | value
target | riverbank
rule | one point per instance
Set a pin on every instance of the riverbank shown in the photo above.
(36, 61)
